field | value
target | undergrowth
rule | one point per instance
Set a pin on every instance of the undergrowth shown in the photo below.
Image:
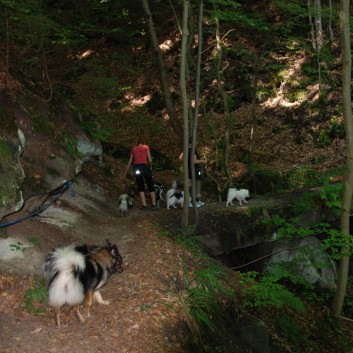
(36, 297)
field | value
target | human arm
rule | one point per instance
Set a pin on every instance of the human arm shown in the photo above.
(128, 165)
(149, 157)
(199, 161)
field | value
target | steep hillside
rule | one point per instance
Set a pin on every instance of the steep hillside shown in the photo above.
(95, 58)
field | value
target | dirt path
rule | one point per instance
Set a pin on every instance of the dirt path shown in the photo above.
(144, 314)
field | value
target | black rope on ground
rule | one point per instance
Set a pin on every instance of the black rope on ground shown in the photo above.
(61, 191)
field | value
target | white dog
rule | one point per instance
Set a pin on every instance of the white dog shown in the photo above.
(124, 204)
(240, 195)
(175, 196)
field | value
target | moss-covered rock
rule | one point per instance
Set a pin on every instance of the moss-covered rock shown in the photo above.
(11, 175)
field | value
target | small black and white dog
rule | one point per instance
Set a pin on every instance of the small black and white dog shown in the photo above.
(159, 191)
(125, 202)
(175, 195)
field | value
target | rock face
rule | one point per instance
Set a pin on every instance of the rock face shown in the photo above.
(11, 174)
(49, 150)
(240, 235)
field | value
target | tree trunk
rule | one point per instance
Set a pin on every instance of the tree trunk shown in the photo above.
(312, 32)
(224, 95)
(330, 31)
(197, 106)
(184, 97)
(348, 123)
(163, 74)
(7, 45)
(318, 25)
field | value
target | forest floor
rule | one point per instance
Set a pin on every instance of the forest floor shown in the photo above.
(143, 316)
(146, 312)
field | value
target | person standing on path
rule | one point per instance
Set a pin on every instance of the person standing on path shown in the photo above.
(140, 158)
(198, 175)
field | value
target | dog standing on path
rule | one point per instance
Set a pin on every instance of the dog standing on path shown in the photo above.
(125, 203)
(175, 195)
(75, 273)
(240, 195)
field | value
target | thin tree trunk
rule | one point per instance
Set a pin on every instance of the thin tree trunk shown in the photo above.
(318, 25)
(330, 23)
(223, 93)
(348, 123)
(184, 97)
(7, 45)
(163, 74)
(46, 73)
(313, 40)
(253, 114)
(197, 106)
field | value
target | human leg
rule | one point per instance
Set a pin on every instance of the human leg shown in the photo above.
(151, 189)
(199, 203)
(198, 189)
(143, 198)
(141, 189)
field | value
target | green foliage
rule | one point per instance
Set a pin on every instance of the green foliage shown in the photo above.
(229, 11)
(18, 246)
(286, 272)
(69, 143)
(35, 241)
(336, 242)
(266, 292)
(92, 127)
(191, 244)
(288, 229)
(302, 177)
(93, 124)
(35, 297)
(4, 149)
(331, 195)
(206, 292)
(334, 130)
(209, 301)
(293, 332)
(305, 203)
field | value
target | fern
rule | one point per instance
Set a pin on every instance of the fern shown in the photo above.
(267, 292)
(331, 194)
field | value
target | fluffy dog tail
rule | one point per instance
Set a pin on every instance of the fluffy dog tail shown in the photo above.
(177, 185)
(62, 269)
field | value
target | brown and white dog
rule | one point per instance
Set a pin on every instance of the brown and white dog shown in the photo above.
(74, 274)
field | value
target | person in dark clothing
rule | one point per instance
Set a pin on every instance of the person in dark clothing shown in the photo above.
(198, 175)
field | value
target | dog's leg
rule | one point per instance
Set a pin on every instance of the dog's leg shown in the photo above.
(98, 297)
(88, 303)
(57, 315)
(76, 310)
